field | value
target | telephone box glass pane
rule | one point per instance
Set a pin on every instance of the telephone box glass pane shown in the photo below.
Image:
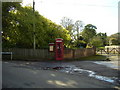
(59, 50)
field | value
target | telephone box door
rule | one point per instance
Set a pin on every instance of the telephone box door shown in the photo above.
(59, 49)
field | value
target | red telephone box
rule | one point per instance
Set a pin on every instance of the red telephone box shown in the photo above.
(59, 49)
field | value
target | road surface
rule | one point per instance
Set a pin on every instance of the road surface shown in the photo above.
(24, 74)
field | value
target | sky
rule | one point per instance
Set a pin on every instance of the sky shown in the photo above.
(101, 13)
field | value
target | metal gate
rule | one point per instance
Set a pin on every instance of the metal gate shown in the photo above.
(108, 51)
(111, 53)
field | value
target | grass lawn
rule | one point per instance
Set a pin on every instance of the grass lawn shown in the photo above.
(89, 58)
(93, 58)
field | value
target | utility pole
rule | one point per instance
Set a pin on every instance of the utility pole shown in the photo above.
(34, 45)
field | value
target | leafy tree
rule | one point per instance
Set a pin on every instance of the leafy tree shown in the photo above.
(96, 41)
(78, 27)
(80, 38)
(18, 27)
(114, 39)
(8, 24)
(68, 25)
(80, 44)
(89, 32)
(103, 36)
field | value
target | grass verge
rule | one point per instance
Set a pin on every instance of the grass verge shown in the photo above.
(89, 58)
(93, 58)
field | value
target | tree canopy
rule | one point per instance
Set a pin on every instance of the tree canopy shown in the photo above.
(18, 22)
(89, 32)
(18, 27)
(114, 39)
(67, 23)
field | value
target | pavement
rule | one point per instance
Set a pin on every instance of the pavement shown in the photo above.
(75, 74)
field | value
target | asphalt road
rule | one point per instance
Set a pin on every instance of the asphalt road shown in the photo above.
(29, 75)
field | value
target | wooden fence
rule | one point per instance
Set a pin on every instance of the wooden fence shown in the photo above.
(40, 54)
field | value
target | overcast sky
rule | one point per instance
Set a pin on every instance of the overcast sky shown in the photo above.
(101, 13)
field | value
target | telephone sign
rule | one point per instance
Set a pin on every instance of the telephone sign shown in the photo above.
(51, 47)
